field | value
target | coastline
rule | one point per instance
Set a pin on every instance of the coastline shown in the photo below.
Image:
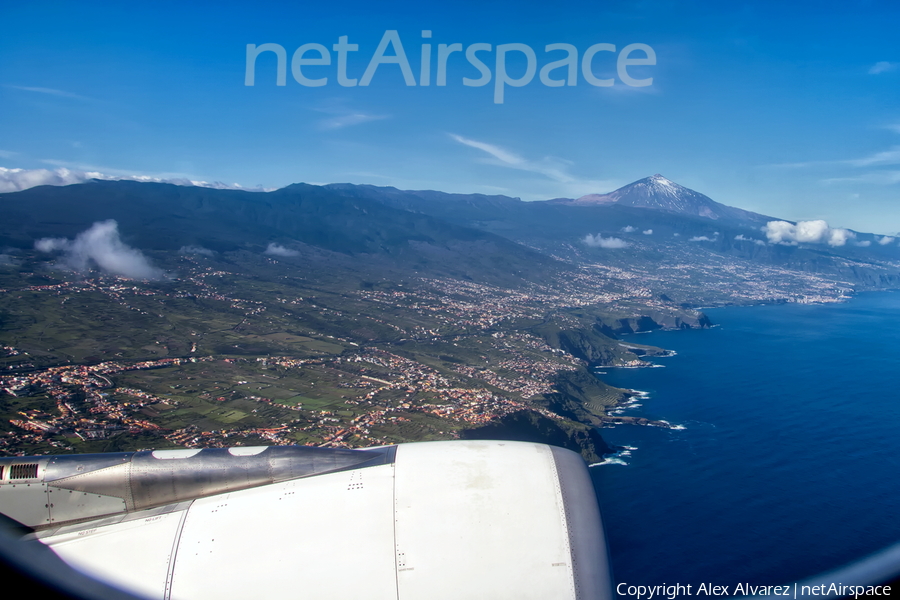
(762, 476)
(632, 397)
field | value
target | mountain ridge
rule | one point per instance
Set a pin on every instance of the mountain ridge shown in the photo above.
(652, 225)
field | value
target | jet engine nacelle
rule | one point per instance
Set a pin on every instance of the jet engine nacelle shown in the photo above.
(460, 519)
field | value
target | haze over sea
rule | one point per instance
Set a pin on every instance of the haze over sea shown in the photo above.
(789, 463)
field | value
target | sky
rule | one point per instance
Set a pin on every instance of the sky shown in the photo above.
(787, 109)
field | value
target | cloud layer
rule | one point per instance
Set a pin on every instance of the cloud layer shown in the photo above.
(810, 232)
(15, 180)
(100, 247)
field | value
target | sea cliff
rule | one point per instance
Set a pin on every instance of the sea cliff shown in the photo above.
(529, 426)
(580, 396)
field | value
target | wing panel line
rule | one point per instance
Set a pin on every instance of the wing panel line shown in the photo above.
(173, 555)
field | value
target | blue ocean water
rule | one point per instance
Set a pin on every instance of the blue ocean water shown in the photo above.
(789, 463)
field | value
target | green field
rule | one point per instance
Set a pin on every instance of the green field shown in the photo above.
(274, 352)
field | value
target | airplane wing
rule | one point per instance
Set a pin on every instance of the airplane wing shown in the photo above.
(455, 520)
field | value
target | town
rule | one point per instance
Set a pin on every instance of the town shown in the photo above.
(212, 358)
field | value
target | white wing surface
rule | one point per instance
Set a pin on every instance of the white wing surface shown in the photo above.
(460, 519)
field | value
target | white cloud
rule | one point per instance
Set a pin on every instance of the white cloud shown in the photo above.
(195, 250)
(341, 116)
(100, 247)
(648, 232)
(812, 232)
(883, 177)
(743, 238)
(349, 119)
(629, 229)
(882, 66)
(839, 237)
(508, 158)
(15, 180)
(47, 91)
(279, 250)
(884, 241)
(864, 243)
(598, 241)
(888, 157)
(877, 159)
(552, 168)
(701, 238)
(885, 157)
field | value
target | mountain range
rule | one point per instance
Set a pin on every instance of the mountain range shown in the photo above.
(653, 225)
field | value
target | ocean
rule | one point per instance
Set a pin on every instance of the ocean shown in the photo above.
(788, 463)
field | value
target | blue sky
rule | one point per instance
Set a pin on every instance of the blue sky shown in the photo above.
(792, 111)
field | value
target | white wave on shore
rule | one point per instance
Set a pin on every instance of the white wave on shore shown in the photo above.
(633, 402)
(617, 458)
